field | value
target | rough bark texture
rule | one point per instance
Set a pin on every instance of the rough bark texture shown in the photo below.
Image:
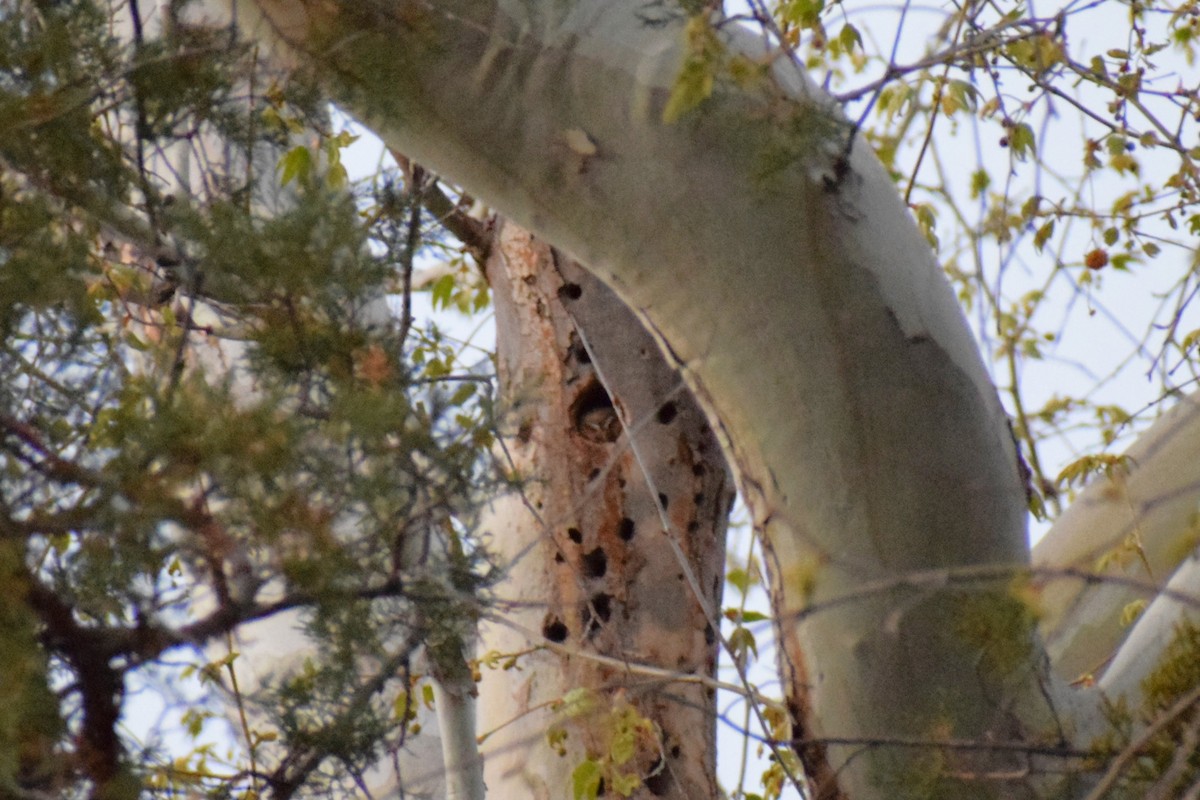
(595, 595)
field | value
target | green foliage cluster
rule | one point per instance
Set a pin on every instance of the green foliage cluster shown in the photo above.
(209, 416)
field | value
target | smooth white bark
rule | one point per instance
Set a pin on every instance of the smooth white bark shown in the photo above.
(1138, 523)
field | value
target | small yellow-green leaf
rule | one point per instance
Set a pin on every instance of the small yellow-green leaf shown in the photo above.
(1021, 140)
(586, 780)
(1043, 234)
(980, 181)
(296, 163)
(849, 37)
(693, 86)
(336, 176)
(578, 702)
(625, 784)
(1132, 611)
(695, 82)
(443, 291)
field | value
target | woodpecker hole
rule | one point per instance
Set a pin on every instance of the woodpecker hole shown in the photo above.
(596, 611)
(595, 563)
(594, 416)
(659, 779)
(555, 630)
(625, 529)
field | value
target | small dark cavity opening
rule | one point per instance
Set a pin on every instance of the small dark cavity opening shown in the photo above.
(662, 501)
(625, 529)
(594, 474)
(693, 526)
(667, 412)
(595, 563)
(659, 779)
(555, 630)
(593, 414)
(602, 602)
(675, 751)
(698, 498)
(596, 612)
(709, 636)
(570, 291)
(558, 558)
(575, 535)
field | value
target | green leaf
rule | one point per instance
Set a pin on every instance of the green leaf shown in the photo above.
(695, 82)
(463, 393)
(443, 291)
(578, 702)
(586, 780)
(296, 163)
(742, 642)
(849, 37)
(980, 181)
(805, 13)
(625, 784)
(1043, 234)
(739, 579)
(1021, 140)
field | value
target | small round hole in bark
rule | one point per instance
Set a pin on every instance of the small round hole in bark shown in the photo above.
(596, 611)
(570, 291)
(662, 501)
(555, 630)
(575, 535)
(603, 604)
(595, 563)
(667, 413)
(625, 529)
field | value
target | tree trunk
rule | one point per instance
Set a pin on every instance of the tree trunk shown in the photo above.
(612, 547)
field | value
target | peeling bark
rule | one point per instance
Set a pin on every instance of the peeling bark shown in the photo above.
(594, 596)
